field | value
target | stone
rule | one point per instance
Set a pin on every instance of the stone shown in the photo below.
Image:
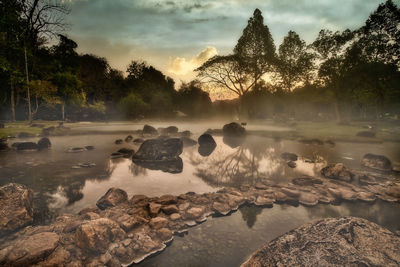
(128, 138)
(308, 199)
(306, 181)
(393, 190)
(118, 141)
(97, 235)
(366, 196)
(159, 150)
(185, 133)
(289, 156)
(292, 164)
(3, 144)
(16, 207)
(154, 208)
(167, 200)
(206, 140)
(170, 209)
(158, 222)
(233, 129)
(366, 179)
(32, 249)
(170, 130)
(126, 152)
(290, 192)
(338, 172)
(263, 201)
(206, 150)
(175, 216)
(27, 146)
(195, 212)
(149, 130)
(368, 134)
(112, 197)
(221, 208)
(164, 234)
(343, 241)
(44, 143)
(280, 197)
(377, 162)
(128, 222)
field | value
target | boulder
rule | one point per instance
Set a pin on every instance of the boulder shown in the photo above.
(346, 241)
(126, 152)
(377, 162)
(27, 146)
(366, 134)
(113, 197)
(233, 129)
(32, 249)
(149, 130)
(338, 172)
(159, 150)
(96, 235)
(16, 207)
(128, 138)
(154, 208)
(289, 156)
(206, 150)
(44, 143)
(169, 130)
(118, 141)
(207, 144)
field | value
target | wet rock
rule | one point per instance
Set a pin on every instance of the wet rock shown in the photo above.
(170, 209)
(206, 140)
(158, 222)
(156, 149)
(377, 162)
(44, 143)
(393, 190)
(47, 131)
(167, 200)
(118, 141)
(338, 172)
(185, 133)
(112, 197)
(263, 201)
(280, 197)
(290, 192)
(331, 242)
(164, 234)
(96, 235)
(128, 222)
(366, 196)
(76, 149)
(292, 164)
(27, 146)
(154, 208)
(233, 129)
(306, 181)
(366, 134)
(170, 166)
(221, 208)
(116, 155)
(308, 199)
(16, 207)
(289, 156)
(187, 141)
(138, 140)
(195, 212)
(366, 179)
(128, 138)
(3, 145)
(89, 147)
(171, 130)
(126, 152)
(149, 130)
(175, 216)
(32, 249)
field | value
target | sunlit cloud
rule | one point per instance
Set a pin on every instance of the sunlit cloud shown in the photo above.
(182, 66)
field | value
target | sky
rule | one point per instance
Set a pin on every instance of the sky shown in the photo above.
(176, 36)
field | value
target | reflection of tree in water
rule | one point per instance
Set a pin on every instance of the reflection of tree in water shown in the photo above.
(137, 170)
(249, 214)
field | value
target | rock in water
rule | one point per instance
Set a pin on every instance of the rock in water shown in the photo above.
(159, 149)
(346, 241)
(16, 207)
(27, 146)
(126, 152)
(289, 156)
(113, 197)
(44, 143)
(207, 144)
(366, 134)
(233, 129)
(338, 172)
(169, 130)
(3, 145)
(377, 162)
(149, 130)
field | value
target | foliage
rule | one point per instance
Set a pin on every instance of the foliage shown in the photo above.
(133, 106)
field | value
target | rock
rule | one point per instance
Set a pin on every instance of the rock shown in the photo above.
(128, 222)
(338, 172)
(3, 145)
(206, 140)
(47, 131)
(233, 129)
(221, 208)
(164, 234)
(27, 146)
(32, 249)
(263, 201)
(330, 142)
(366, 134)
(149, 130)
(280, 197)
(306, 181)
(116, 155)
(289, 156)
(96, 235)
(344, 241)
(89, 147)
(185, 133)
(16, 207)
(138, 140)
(126, 152)
(158, 150)
(170, 209)
(290, 192)
(366, 179)
(169, 130)
(167, 200)
(2, 125)
(170, 166)
(175, 216)
(158, 222)
(187, 141)
(206, 150)
(154, 208)
(128, 138)
(292, 164)
(112, 197)
(76, 149)
(377, 162)
(393, 190)
(308, 199)
(194, 213)
(366, 196)
(118, 141)
(44, 143)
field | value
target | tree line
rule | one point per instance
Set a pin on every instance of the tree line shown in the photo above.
(342, 75)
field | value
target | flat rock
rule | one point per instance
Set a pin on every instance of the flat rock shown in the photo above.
(195, 212)
(158, 222)
(112, 197)
(344, 241)
(378, 162)
(308, 199)
(154, 208)
(221, 208)
(338, 172)
(170, 209)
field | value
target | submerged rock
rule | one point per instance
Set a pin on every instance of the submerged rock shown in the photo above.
(377, 162)
(338, 172)
(3, 145)
(331, 242)
(292, 164)
(118, 141)
(366, 134)
(76, 149)
(16, 207)
(149, 130)
(157, 149)
(289, 156)
(233, 129)
(112, 197)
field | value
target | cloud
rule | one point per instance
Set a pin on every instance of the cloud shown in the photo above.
(181, 66)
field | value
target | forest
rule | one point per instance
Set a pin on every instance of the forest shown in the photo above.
(341, 75)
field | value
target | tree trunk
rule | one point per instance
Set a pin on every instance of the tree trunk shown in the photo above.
(12, 99)
(28, 96)
(63, 111)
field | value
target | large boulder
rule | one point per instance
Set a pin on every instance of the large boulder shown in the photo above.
(44, 143)
(344, 241)
(169, 130)
(112, 197)
(149, 130)
(233, 129)
(377, 162)
(159, 150)
(338, 172)
(16, 207)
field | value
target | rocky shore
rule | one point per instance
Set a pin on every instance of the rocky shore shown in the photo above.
(120, 231)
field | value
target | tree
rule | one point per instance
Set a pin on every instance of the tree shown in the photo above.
(192, 100)
(295, 62)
